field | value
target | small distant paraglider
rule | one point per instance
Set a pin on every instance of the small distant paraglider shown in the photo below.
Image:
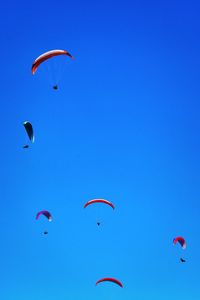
(29, 130)
(104, 201)
(109, 279)
(46, 214)
(182, 242)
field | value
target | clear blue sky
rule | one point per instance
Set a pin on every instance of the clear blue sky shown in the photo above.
(124, 126)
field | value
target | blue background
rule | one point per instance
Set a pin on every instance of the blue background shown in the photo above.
(124, 125)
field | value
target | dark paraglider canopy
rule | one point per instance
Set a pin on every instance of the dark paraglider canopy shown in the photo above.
(29, 130)
(44, 213)
(98, 223)
(111, 280)
(45, 232)
(26, 146)
(182, 260)
(55, 87)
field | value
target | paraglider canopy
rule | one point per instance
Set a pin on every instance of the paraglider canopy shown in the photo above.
(40, 59)
(182, 260)
(99, 201)
(111, 280)
(44, 213)
(29, 129)
(181, 241)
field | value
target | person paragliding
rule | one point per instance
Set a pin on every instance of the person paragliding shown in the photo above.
(182, 242)
(46, 56)
(46, 214)
(29, 130)
(104, 201)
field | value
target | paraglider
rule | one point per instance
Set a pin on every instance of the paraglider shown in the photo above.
(29, 130)
(47, 215)
(46, 56)
(44, 213)
(181, 241)
(104, 201)
(99, 201)
(111, 280)
(26, 146)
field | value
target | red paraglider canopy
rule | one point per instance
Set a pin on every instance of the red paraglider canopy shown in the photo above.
(181, 241)
(99, 201)
(46, 56)
(111, 280)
